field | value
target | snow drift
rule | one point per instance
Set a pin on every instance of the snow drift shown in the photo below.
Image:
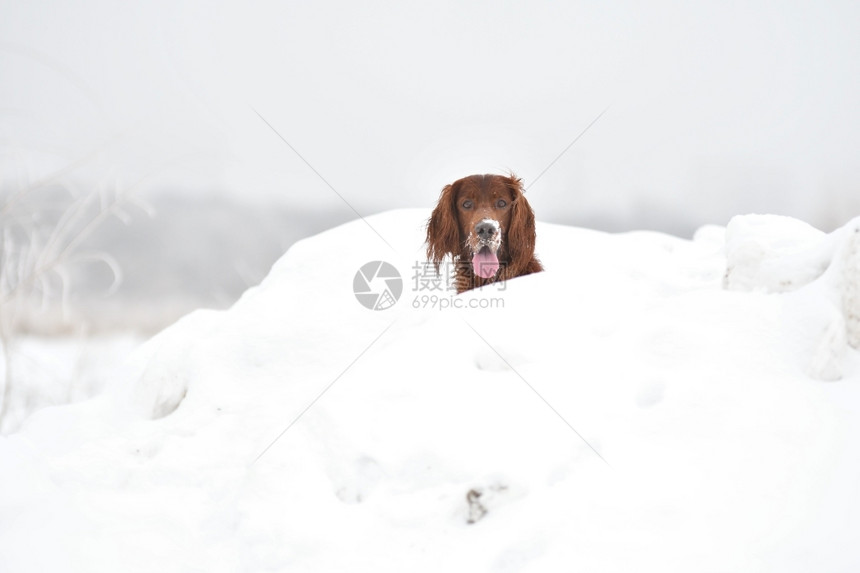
(778, 255)
(622, 411)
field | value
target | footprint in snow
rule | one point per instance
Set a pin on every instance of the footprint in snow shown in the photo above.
(650, 393)
(481, 500)
(365, 475)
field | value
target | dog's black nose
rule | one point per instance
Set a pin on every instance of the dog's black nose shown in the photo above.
(486, 230)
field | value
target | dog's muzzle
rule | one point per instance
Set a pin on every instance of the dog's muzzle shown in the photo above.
(485, 261)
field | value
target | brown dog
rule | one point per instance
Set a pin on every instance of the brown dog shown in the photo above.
(485, 223)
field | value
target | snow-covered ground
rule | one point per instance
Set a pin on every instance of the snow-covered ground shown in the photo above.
(646, 404)
(57, 370)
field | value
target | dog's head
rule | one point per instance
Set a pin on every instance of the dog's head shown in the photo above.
(484, 219)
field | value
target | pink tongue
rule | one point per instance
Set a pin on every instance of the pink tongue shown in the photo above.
(485, 263)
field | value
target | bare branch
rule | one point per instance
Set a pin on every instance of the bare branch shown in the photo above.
(57, 175)
(110, 262)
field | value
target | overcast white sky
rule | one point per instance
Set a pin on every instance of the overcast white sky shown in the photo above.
(714, 108)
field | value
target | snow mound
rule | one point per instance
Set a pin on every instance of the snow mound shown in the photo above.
(621, 411)
(775, 254)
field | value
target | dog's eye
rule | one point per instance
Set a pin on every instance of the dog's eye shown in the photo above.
(501, 203)
(467, 204)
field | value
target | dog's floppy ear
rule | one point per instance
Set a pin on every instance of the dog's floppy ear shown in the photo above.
(443, 229)
(521, 234)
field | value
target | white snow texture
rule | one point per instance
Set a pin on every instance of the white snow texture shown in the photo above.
(645, 404)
